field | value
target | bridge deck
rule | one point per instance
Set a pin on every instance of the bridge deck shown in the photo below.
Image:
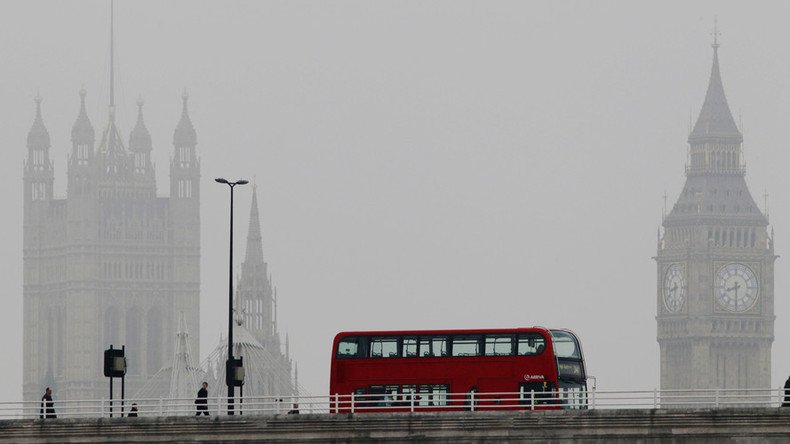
(743, 425)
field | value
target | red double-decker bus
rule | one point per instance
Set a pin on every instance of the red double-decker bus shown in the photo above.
(457, 369)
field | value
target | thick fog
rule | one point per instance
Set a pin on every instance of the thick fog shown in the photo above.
(419, 164)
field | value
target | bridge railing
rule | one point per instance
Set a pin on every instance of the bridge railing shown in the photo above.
(404, 402)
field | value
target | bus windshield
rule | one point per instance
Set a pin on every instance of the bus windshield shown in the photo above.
(565, 345)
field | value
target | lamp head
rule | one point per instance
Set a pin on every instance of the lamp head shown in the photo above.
(220, 180)
(242, 182)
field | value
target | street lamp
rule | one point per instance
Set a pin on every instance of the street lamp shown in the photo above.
(230, 294)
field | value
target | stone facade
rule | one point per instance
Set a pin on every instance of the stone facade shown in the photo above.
(112, 262)
(715, 265)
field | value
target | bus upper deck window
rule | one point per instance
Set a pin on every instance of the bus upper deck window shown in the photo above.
(409, 347)
(386, 347)
(531, 344)
(348, 347)
(466, 345)
(499, 345)
(433, 346)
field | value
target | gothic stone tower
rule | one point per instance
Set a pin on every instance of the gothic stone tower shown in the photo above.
(111, 263)
(257, 301)
(715, 264)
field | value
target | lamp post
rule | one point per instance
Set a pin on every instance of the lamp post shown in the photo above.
(230, 292)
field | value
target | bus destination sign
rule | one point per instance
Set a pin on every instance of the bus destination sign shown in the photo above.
(570, 369)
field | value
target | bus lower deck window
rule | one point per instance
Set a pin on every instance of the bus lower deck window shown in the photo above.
(433, 395)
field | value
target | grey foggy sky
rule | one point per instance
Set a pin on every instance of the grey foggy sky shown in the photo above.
(420, 164)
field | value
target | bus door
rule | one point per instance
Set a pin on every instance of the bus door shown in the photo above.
(539, 391)
(359, 398)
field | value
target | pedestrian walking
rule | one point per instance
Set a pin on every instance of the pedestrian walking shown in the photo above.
(47, 405)
(133, 411)
(202, 400)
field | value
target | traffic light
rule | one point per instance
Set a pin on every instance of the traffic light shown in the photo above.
(114, 363)
(234, 372)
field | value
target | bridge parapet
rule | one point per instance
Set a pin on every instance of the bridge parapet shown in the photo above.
(715, 425)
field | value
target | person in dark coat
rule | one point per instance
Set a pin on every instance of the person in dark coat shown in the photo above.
(202, 401)
(133, 411)
(294, 410)
(47, 405)
(786, 402)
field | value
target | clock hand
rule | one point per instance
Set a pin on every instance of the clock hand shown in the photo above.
(736, 286)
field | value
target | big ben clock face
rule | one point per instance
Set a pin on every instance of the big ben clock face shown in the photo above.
(737, 287)
(674, 288)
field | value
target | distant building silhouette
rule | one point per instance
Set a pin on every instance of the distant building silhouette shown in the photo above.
(255, 294)
(111, 263)
(715, 264)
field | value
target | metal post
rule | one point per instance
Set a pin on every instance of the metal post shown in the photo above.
(230, 291)
(655, 398)
(412, 401)
(717, 397)
(532, 400)
(592, 398)
(472, 400)
(337, 406)
(230, 306)
(123, 381)
(161, 407)
(352, 402)
(111, 393)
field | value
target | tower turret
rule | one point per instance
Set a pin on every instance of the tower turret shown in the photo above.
(185, 135)
(83, 136)
(185, 216)
(140, 146)
(81, 158)
(39, 172)
(184, 167)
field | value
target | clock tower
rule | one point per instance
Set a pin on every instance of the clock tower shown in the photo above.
(715, 264)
